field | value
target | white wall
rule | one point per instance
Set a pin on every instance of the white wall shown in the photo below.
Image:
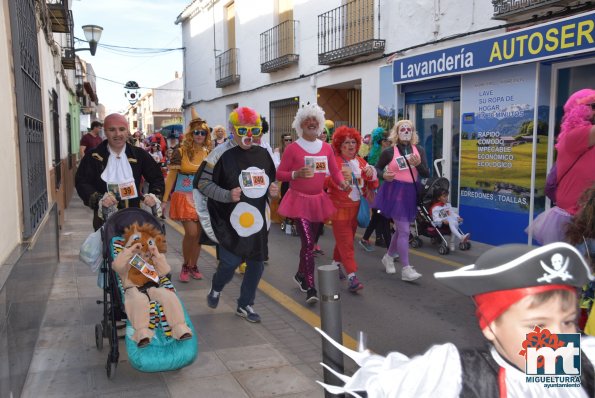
(403, 24)
(11, 209)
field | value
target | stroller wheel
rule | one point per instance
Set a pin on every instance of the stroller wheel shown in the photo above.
(443, 249)
(416, 242)
(110, 367)
(99, 336)
(465, 245)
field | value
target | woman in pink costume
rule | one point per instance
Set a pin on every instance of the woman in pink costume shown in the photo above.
(305, 164)
(346, 143)
(575, 171)
(401, 167)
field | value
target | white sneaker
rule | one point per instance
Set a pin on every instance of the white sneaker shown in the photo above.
(389, 264)
(452, 247)
(409, 274)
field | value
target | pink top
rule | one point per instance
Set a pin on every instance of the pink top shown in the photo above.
(572, 144)
(293, 160)
(403, 175)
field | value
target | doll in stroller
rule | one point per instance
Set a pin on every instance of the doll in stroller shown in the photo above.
(426, 226)
(132, 239)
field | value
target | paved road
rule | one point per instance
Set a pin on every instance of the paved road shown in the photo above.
(407, 317)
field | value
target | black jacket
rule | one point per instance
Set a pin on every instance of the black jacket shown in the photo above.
(91, 187)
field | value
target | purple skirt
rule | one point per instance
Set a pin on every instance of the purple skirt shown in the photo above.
(550, 226)
(397, 200)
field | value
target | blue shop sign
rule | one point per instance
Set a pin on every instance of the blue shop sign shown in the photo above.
(563, 37)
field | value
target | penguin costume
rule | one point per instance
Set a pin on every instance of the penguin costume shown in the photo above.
(512, 286)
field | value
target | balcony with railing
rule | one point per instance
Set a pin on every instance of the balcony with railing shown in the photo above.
(347, 32)
(511, 10)
(278, 47)
(68, 57)
(227, 68)
(59, 15)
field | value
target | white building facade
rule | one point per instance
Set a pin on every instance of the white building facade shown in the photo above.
(461, 70)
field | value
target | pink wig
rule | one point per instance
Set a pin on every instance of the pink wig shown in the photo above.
(243, 116)
(577, 111)
(341, 134)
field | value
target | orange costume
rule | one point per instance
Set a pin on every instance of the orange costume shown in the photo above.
(181, 174)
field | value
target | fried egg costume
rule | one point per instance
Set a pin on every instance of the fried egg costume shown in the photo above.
(242, 227)
(499, 278)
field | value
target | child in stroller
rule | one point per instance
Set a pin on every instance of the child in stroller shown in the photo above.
(443, 214)
(424, 223)
(171, 342)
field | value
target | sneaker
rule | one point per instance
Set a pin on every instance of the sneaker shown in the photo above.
(301, 282)
(311, 296)
(213, 298)
(248, 313)
(195, 273)
(355, 284)
(452, 247)
(389, 264)
(409, 274)
(185, 274)
(366, 245)
(342, 276)
(318, 250)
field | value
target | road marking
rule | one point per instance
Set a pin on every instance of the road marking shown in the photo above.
(276, 295)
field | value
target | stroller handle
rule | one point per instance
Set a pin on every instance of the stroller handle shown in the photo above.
(108, 211)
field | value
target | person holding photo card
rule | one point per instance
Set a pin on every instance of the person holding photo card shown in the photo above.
(363, 177)
(305, 164)
(401, 166)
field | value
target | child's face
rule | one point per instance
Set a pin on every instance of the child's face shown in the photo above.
(509, 331)
(444, 197)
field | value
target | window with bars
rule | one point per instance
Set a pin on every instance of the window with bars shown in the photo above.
(282, 112)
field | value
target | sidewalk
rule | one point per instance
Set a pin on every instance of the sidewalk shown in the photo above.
(278, 357)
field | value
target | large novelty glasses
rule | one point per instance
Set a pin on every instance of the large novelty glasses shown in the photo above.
(243, 130)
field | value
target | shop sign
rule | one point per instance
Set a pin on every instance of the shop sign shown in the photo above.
(561, 37)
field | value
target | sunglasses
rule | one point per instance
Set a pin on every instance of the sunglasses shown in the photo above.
(243, 130)
(288, 140)
(200, 132)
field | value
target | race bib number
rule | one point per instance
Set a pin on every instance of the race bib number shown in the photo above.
(127, 190)
(401, 163)
(318, 164)
(144, 267)
(253, 179)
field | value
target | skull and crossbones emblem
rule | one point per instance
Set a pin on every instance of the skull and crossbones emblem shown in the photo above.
(557, 270)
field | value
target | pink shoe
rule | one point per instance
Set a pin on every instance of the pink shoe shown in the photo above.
(195, 273)
(185, 274)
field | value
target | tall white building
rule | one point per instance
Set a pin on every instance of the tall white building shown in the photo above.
(482, 80)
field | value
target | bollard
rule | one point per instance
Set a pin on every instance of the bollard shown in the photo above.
(330, 317)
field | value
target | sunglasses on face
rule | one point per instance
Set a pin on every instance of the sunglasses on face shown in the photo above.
(287, 140)
(200, 132)
(243, 130)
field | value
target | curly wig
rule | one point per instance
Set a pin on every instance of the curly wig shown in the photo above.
(577, 111)
(243, 116)
(188, 141)
(394, 132)
(341, 134)
(305, 112)
(378, 134)
(583, 222)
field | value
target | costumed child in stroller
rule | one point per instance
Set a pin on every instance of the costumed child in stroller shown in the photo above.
(140, 265)
(443, 214)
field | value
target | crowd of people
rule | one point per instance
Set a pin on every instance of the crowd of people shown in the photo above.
(219, 187)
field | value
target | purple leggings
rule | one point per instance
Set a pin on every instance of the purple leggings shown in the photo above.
(308, 231)
(400, 242)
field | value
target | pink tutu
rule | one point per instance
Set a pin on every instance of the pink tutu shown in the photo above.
(316, 208)
(550, 226)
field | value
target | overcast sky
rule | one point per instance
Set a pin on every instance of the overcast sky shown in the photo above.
(130, 23)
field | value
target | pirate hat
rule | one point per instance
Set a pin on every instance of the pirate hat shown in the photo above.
(518, 266)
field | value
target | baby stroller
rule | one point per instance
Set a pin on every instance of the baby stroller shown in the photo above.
(424, 225)
(163, 353)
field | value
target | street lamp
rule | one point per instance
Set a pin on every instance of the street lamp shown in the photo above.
(92, 34)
